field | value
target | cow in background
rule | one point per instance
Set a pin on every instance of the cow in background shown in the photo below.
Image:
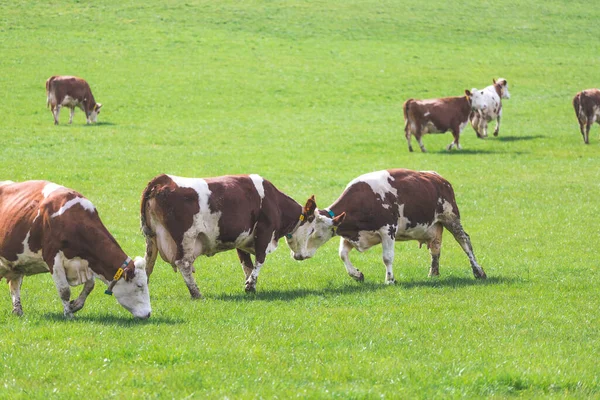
(436, 116)
(71, 92)
(184, 218)
(487, 105)
(385, 207)
(45, 227)
(587, 109)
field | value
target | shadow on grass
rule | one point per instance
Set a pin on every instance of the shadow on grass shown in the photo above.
(519, 138)
(466, 152)
(365, 287)
(101, 123)
(114, 320)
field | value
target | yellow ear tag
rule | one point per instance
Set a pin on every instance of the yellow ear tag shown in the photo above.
(118, 274)
(301, 217)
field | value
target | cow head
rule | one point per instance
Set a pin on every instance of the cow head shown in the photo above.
(503, 87)
(94, 113)
(131, 291)
(478, 99)
(314, 230)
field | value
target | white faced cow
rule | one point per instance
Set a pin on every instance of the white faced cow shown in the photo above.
(45, 227)
(384, 207)
(436, 116)
(487, 105)
(587, 109)
(71, 92)
(184, 218)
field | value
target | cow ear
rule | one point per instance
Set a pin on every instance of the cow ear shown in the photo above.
(339, 219)
(129, 274)
(310, 206)
(98, 106)
(469, 93)
(494, 80)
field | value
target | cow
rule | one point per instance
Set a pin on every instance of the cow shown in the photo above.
(71, 91)
(587, 109)
(487, 105)
(384, 207)
(436, 116)
(184, 218)
(46, 227)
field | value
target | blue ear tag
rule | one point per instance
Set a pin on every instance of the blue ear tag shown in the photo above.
(108, 292)
(288, 235)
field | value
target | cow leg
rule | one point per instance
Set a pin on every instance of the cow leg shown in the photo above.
(484, 127)
(588, 125)
(456, 135)
(407, 133)
(344, 250)
(246, 262)
(62, 285)
(55, 113)
(15, 292)
(387, 243)
(71, 116)
(497, 130)
(186, 266)
(78, 303)
(421, 145)
(475, 119)
(151, 254)
(455, 227)
(435, 246)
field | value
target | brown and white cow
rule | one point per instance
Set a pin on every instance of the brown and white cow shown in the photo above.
(384, 207)
(45, 227)
(587, 109)
(71, 92)
(487, 105)
(436, 116)
(184, 218)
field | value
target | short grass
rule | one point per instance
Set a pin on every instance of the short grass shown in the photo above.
(309, 95)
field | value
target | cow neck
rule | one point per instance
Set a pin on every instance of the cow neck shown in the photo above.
(498, 89)
(291, 216)
(110, 257)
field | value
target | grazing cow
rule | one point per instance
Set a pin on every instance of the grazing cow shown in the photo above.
(436, 116)
(587, 109)
(45, 227)
(183, 218)
(487, 105)
(384, 207)
(71, 91)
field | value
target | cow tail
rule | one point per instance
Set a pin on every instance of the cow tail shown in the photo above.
(146, 196)
(577, 104)
(49, 88)
(405, 109)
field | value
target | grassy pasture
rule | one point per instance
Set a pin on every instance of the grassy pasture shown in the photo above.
(309, 95)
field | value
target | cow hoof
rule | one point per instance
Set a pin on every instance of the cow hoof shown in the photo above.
(390, 282)
(495, 133)
(481, 276)
(359, 278)
(250, 289)
(18, 312)
(196, 296)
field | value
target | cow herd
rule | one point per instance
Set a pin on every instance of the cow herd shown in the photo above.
(46, 227)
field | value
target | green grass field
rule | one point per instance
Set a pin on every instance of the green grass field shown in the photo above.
(309, 95)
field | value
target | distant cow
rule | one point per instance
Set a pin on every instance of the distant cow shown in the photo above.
(587, 109)
(183, 218)
(45, 227)
(384, 207)
(487, 105)
(71, 91)
(436, 116)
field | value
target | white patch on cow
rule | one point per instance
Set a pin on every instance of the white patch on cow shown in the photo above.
(447, 207)
(272, 244)
(83, 202)
(462, 126)
(378, 181)
(205, 222)
(69, 101)
(258, 184)
(134, 295)
(426, 114)
(49, 188)
(418, 232)
(28, 262)
(245, 241)
(366, 240)
(5, 183)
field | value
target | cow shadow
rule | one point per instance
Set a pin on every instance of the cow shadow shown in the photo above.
(365, 287)
(113, 320)
(519, 138)
(466, 152)
(102, 123)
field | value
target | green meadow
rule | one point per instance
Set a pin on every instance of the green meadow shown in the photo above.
(309, 95)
